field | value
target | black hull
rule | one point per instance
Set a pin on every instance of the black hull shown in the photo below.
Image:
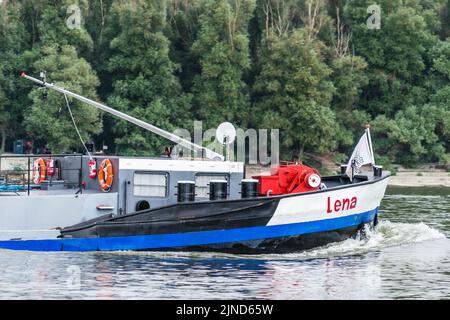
(279, 245)
(278, 224)
(183, 217)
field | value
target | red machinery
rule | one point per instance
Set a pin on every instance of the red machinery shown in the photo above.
(289, 178)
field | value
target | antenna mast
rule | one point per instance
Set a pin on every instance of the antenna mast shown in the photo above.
(207, 153)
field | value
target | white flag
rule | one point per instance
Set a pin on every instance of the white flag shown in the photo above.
(362, 155)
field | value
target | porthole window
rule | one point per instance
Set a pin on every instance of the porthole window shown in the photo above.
(142, 205)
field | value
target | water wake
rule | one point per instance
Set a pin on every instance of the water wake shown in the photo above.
(387, 234)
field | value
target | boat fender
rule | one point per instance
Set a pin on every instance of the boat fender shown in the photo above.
(106, 175)
(39, 171)
(92, 169)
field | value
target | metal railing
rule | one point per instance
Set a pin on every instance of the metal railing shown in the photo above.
(16, 172)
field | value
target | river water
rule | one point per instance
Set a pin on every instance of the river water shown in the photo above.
(408, 257)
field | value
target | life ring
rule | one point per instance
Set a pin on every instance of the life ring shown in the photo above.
(106, 175)
(39, 171)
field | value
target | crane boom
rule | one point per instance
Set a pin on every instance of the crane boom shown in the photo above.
(163, 133)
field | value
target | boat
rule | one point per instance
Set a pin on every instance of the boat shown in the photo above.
(86, 202)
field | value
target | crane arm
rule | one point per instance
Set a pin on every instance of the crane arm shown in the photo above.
(163, 133)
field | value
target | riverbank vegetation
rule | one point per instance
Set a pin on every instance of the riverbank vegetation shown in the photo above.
(317, 70)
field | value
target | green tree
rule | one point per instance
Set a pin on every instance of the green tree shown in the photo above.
(48, 120)
(439, 86)
(58, 39)
(54, 26)
(395, 53)
(348, 77)
(56, 22)
(294, 93)
(311, 68)
(96, 24)
(12, 42)
(144, 80)
(445, 20)
(222, 49)
(410, 138)
(405, 87)
(182, 31)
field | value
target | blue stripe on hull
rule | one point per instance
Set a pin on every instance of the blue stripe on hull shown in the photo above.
(160, 241)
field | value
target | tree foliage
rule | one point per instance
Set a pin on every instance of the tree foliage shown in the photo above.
(13, 39)
(294, 93)
(48, 120)
(144, 82)
(222, 49)
(311, 68)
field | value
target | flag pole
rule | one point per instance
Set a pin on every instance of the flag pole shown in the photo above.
(353, 170)
(369, 141)
(362, 154)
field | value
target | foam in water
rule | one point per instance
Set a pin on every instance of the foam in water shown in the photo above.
(387, 234)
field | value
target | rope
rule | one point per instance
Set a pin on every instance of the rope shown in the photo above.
(76, 128)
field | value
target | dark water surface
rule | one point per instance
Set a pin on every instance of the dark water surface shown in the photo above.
(407, 257)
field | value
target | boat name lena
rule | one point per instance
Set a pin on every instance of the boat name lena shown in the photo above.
(341, 205)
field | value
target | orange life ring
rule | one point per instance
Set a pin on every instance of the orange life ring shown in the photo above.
(106, 175)
(39, 171)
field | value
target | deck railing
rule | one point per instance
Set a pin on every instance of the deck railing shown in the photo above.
(16, 172)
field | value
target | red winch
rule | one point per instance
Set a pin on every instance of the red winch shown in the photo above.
(289, 178)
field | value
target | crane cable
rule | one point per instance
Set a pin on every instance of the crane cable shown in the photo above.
(76, 128)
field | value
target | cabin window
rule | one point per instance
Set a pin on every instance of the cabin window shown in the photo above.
(202, 183)
(150, 184)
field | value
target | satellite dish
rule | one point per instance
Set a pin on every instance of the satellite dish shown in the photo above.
(225, 133)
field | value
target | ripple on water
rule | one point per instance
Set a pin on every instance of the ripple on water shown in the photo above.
(387, 234)
(408, 256)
